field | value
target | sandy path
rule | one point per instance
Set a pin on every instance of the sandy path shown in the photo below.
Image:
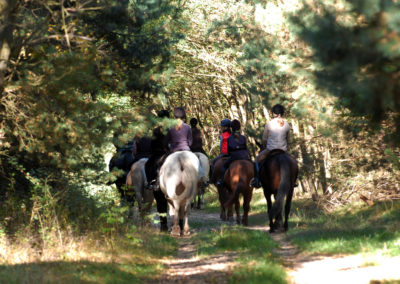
(354, 269)
(188, 267)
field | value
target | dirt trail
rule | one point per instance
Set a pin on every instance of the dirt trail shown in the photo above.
(354, 269)
(188, 267)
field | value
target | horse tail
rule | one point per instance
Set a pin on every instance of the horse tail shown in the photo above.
(182, 176)
(143, 170)
(236, 192)
(284, 186)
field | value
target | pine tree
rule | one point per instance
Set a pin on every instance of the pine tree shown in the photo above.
(355, 55)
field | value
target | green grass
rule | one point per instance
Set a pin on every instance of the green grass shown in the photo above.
(353, 229)
(129, 261)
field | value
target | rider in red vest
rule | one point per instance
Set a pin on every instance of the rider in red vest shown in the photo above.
(223, 146)
(226, 132)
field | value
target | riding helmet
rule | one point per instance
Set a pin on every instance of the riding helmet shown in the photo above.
(235, 124)
(179, 112)
(278, 109)
(193, 122)
(226, 122)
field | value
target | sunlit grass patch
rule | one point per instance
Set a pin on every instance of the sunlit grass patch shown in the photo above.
(125, 259)
(259, 271)
(350, 230)
(211, 199)
(257, 262)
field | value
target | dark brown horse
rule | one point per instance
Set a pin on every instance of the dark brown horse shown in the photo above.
(278, 174)
(236, 181)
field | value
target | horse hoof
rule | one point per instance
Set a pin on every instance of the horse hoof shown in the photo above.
(176, 231)
(186, 233)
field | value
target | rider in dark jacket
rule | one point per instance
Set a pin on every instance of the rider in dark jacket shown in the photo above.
(237, 149)
(197, 144)
(141, 148)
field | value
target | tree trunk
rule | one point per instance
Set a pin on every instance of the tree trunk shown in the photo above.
(7, 18)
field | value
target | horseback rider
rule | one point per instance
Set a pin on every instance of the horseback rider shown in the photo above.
(275, 136)
(197, 144)
(223, 142)
(141, 148)
(237, 149)
(179, 137)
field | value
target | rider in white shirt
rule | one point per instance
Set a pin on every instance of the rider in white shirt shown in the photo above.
(275, 136)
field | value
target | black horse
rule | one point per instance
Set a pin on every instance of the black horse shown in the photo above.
(278, 174)
(122, 160)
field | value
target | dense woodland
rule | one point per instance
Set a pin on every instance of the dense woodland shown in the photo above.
(80, 77)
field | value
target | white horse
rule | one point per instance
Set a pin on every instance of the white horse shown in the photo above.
(136, 182)
(205, 165)
(179, 178)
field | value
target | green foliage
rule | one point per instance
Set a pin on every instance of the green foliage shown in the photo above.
(82, 75)
(113, 218)
(355, 54)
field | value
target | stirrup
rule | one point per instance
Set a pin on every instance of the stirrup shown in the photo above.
(152, 184)
(255, 183)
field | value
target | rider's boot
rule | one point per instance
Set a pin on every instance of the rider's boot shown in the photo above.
(220, 182)
(255, 182)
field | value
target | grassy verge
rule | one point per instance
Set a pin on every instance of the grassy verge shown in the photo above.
(123, 259)
(358, 228)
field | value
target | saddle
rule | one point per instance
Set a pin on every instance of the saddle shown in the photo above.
(271, 154)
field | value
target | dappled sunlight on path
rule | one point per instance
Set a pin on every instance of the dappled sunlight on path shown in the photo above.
(346, 269)
(316, 269)
(189, 267)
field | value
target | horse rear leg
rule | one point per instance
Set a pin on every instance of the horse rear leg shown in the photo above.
(174, 213)
(201, 197)
(287, 209)
(221, 194)
(186, 231)
(269, 206)
(237, 209)
(246, 206)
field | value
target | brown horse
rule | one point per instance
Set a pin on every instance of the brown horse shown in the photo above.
(278, 174)
(237, 181)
